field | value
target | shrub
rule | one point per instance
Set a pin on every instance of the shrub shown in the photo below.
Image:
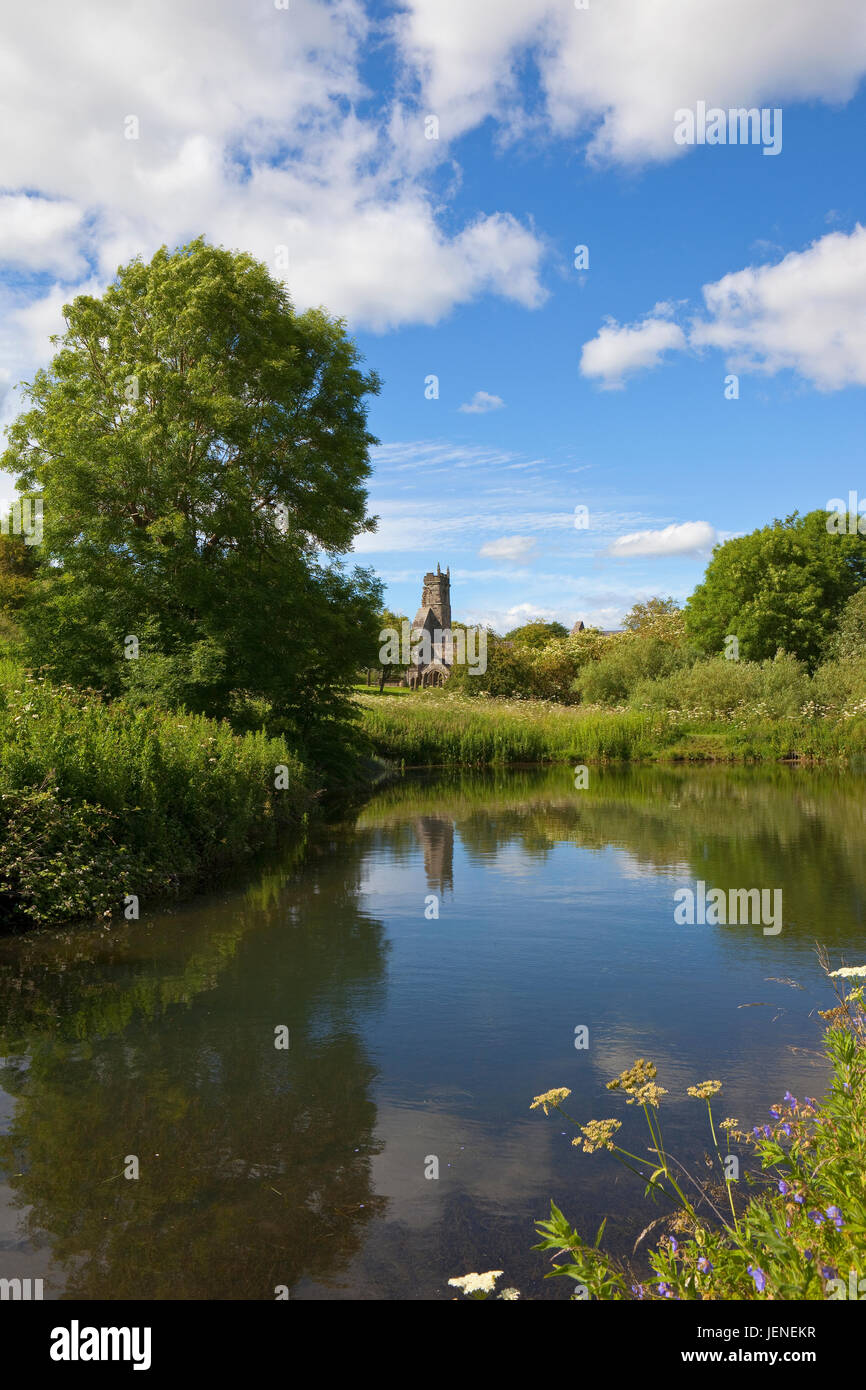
(628, 660)
(840, 686)
(717, 687)
(111, 800)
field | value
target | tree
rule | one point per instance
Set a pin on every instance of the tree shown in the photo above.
(392, 624)
(536, 634)
(19, 563)
(201, 451)
(655, 617)
(782, 586)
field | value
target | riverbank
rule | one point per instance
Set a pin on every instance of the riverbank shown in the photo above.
(436, 729)
(105, 810)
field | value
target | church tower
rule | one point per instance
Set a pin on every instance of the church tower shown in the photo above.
(434, 620)
(436, 595)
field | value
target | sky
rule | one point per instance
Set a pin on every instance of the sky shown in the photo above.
(561, 428)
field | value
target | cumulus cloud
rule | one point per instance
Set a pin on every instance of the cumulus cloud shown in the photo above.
(806, 313)
(619, 349)
(250, 125)
(518, 549)
(39, 234)
(481, 403)
(686, 538)
(616, 72)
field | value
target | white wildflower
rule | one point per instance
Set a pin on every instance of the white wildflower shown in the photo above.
(477, 1283)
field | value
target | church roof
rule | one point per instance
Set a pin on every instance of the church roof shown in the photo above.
(425, 618)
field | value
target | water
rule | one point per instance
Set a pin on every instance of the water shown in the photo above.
(412, 1037)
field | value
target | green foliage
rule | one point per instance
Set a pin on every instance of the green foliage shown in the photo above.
(839, 687)
(386, 621)
(536, 634)
(198, 446)
(783, 586)
(508, 673)
(717, 687)
(19, 564)
(98, 800)
(626, 660)
(848, 641)
(440, 727)
(658, 616)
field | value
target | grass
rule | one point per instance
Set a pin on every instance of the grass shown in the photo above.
(435, 728)
(99, 802)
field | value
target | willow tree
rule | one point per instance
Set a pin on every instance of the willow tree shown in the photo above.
(202, 451)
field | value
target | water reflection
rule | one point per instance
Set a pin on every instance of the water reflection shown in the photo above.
(254, 1162)
(410, 1037)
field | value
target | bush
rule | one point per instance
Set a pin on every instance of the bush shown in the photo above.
(110, 800)
(628, 660)
(839, 687)
(849, 639)
(718, 688)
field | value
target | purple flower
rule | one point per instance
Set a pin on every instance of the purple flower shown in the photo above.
(638, 1290)
(759, 1277)
(663, 1289)
(704, 1265)
(810, 1104)
(798, 1197)
(816, 1217)
(835, 1216)
(674, 1245)
(809, 1255)
(786, 1130)
(828, 1272)
(775, 1111)
(791, 1100)
(767, 1132)
(783, 1186)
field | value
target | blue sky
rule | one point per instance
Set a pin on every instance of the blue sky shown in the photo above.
(453, 257)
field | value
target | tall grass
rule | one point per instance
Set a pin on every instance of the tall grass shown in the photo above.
(435, 728)
(99, 801)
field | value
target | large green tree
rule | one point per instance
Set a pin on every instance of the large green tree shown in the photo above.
(781, 586)
(202, 452)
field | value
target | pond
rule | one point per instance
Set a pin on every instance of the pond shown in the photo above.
(286, 1064)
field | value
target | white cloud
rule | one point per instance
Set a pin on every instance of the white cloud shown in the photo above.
(687, 538)
(806, 313)
(38, 233)
(616, 72)
(248, 132)
(618, 349)
(519, 549)
(481, 403)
